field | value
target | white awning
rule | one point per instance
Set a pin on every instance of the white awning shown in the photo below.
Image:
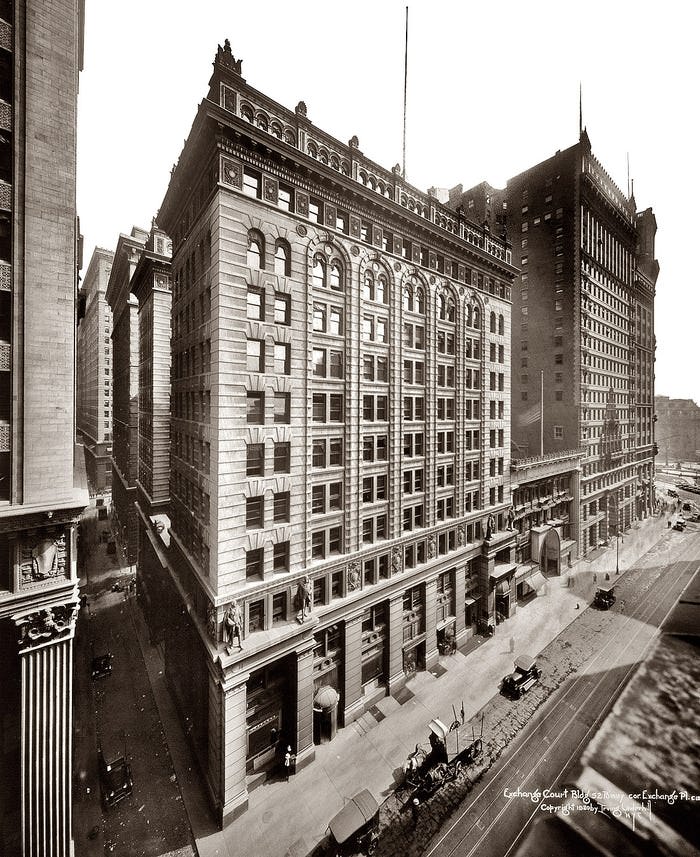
(536, 581)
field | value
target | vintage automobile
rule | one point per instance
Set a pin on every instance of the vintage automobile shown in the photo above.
(102, 665)
(604, 597)
(525, 674)
(355, 829)
(116, 782)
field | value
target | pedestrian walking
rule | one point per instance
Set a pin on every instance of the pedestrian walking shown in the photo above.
(415, 807)
(577, 607)
(287, 762)
(512, 644)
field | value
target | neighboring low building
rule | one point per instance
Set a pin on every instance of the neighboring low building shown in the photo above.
(94, 376)
(545, 516)
(677, 429)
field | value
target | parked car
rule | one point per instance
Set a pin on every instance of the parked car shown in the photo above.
(525, 674)
(356, 827)
(604, 597)
(679, 524)
(102, 665)
(116, 782)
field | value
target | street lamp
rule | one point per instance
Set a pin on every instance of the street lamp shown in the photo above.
(617, 551)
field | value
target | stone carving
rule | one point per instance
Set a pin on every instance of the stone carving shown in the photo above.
(233, 625)
(396, 557)
(43, 560)
(353, 577)
(353, 142)
(301, 230)
(511, 518)
(231, 173)
(225, 57)
(461, 535)
(304, 598)
(47, 624)
(490, 527)
(211, 623)
(300, 109)
(431, 547)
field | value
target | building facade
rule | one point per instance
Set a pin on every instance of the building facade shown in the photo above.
(340, 434)
(545, 517)
(125, 389)
(583, 328)
(677, 430)
(42, 474)
(94, 377)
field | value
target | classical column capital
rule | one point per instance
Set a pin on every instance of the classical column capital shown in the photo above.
(46, 625)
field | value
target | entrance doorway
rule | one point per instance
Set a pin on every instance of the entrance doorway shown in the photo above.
(550, 555)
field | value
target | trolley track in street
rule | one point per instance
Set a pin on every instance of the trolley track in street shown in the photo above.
(642, 618)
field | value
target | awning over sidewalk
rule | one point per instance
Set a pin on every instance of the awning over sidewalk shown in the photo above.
(536, 581)
(525, 570)
(502, 569)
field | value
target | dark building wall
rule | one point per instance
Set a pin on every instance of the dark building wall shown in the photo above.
(677, 429)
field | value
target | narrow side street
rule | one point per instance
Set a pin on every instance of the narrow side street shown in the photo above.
(118, 714)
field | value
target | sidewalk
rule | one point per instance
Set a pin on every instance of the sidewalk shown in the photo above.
(290, 819)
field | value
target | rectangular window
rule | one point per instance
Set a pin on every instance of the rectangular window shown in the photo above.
(256, 616)
(281, 507)
(255, 408)
(336, 408)
(335, 457)
(319, 362)
(255, 355)
(282, 358)
(280, 557)
(254, 564)
(282, 408)
(319, 453)
(254, 513)
(319, 407)
(368, 367)
(279, 607)
(256, 304)
(282, 457)
(336, 364)
(282, 308)
(335, 325)
(251, 183)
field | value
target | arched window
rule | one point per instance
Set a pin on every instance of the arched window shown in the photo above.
(323, 156)
(313, 151)
(262, 121)
(335, 162)
(408, 299)
(336, 277)
(477, 317)
(255, 257)
(501, 325)
(368, 286)
(276, 129)
(420, 301)
(442, 307)
(247, 113)
(318, 273)
(469, 315)
(450, 310)
(381, 291)
(492, 322)
(290, 137)
(282, 258)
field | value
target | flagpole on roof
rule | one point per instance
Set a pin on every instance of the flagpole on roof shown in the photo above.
(405, 85)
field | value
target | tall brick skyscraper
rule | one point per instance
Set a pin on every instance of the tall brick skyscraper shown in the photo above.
(583, 328)
(41, 492)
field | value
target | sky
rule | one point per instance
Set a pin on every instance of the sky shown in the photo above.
(493, 88)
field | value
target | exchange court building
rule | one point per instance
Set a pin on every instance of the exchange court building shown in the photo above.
(340, 465)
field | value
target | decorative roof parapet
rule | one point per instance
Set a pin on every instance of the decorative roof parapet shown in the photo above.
(548, 458)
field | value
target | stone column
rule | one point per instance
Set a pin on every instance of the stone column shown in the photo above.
(352, 682)
(431, 650)
(396, 676)
(304, 747)
(46, 654)
(227, 745)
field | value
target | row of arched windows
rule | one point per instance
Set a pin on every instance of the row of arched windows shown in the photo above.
(255, 254)
(496, 324)
(329, 274)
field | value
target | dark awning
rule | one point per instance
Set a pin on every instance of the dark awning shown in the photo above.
(502, 587)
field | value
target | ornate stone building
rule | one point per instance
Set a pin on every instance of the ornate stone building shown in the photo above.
(94, 377)
(677, 430)
(340, 434)
(42, 471)
(125, 388)
(545, 516)
(583, 328)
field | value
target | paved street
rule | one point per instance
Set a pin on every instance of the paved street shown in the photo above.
(119, 714)
(291, 818)
(494, 816)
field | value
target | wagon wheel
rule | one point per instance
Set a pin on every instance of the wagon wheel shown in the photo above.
(456, 769)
